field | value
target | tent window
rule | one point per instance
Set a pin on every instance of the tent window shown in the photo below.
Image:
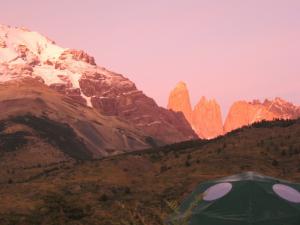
(286, 192)
(217, 191)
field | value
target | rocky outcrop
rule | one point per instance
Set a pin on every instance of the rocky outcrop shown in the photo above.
(207, 119)
(2, 43)
(282, 108)
(77, 55)
(75, 74)
(118, 96)
(244, 113)
(179, 101)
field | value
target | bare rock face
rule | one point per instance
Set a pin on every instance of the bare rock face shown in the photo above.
(282, 108)
(207, 119)
(77, 55)
(244, 113)
(118, 96)
(2, 44)
(75, 74)
(22, 50)
(179, 101)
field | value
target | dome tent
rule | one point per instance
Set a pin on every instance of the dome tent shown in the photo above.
(244, 199)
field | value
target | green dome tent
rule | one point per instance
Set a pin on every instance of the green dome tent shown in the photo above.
(243, 199)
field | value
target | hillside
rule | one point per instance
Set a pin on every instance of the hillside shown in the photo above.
(46, 125)
(132, 188)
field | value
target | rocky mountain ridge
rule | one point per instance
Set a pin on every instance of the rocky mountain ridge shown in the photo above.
(207, 117)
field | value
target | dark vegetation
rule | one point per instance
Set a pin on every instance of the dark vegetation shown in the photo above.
(11, 142)
(268, 124)
(58, 134)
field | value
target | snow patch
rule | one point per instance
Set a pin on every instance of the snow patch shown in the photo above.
(88, 100)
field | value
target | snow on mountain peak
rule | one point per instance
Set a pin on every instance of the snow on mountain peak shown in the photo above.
(25, 53)
(74, 73)
(16, 41)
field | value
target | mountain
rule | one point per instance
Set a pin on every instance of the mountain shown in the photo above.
(37, 123)
(179, 101)
(74, 73)
(137, 187)
(207, 119)
(244, 113)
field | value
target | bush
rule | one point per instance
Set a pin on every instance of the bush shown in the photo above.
(127, 190)
(187, 163)
(163, 168)
(275, 162)
(188, 157)
(103, 198)
(149, 140)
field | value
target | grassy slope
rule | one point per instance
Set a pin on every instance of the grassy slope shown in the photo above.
(132, 188)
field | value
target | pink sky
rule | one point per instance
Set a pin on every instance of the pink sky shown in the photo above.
(227, 50)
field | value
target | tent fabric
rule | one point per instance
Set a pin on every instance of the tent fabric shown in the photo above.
(251, 200)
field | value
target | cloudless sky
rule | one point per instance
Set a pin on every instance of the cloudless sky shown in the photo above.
(227, 50)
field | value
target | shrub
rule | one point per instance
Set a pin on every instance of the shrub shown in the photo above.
(275, 162)
(127, 190)
(187, 163)
(189, 156)
(163, 168)
(103, 198)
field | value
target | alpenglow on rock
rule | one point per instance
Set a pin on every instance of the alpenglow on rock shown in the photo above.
(24, 53)
(207, 119)
(244, 113)
(179, 101)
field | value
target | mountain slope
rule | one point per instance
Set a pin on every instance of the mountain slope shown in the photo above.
(134, 187)
(244, 113)
(74, 73)
(36, 114)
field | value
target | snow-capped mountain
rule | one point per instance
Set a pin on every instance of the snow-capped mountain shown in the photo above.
(24, 53)
(29, 54)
